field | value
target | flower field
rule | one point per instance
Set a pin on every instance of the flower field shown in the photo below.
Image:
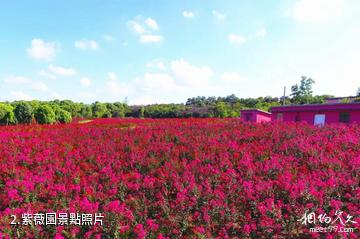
(180, 178)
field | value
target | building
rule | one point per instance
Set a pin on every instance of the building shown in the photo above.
(348, 99)
(255, 115)
(318, 114)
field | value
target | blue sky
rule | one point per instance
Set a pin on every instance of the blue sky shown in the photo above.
(167, 51)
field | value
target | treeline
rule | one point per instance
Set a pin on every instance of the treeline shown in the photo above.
(64, 111)
(50, 112)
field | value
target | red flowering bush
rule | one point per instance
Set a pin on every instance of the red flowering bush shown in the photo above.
(179, 178)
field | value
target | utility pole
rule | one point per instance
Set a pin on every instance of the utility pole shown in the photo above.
(283, 103)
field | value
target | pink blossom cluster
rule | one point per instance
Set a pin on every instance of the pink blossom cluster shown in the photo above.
(179, 178)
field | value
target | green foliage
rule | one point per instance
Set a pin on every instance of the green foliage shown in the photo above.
(44, 114)
(117, 109)
(99, 110)
(201, 101)
(72, 107)
(319, 99)
(86, 111)
(142, 112)
(23, 112)
(199, 107)
(345, 100)
(221, 110)
(7, 115)
(163, 110)
(34, 103)
(63, 117)
(302, 94)
(234, 114)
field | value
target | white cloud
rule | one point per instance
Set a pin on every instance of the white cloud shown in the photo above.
(16, 80)
(156, 82)
(232, 78)
(112, 76)
(85, 44)
(42, 50)
(145, 100)
(55, 95)
(86, 96)
(236, 39)
(136, 27)
(156, 64)
(182, 81)
(151, 38)
(39, 86)
(35, 85)
(188, 14)
(219, 16)
(152, 24)
(24, 81)
(62, 71)
(261, 33)
(19, 95)
(318, 11)
(190, 75)
(108, 38)
(145, 32)
(85, 81)
(116, 88)
(47, 75)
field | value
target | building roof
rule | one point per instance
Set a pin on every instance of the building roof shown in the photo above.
(343, 97)
(257, 110)
(316, 107)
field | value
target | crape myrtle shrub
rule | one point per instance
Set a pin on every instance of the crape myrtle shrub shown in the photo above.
(179, 178)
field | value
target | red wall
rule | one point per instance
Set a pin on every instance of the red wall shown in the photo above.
(263, 118)
(308, 116)
(255, 116)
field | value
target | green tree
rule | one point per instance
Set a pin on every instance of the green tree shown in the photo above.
(142, 112)
(221, 110)
(44, 114)
(231, 99)
(7, 115)
(63, 117)
(302, 94)
(72, 107)
(86, 111)
(116, 110)
(120, 110)
(99, 110)
(23, 113)
(234, 114)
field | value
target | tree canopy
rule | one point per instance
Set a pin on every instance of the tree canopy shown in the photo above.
(7, 115)
(24, 112)
(302, 94)
(64, 111)
(44, 114)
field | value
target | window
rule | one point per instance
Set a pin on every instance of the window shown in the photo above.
(297, 118)
(344, 117)
(279, 116)
(247, 117)
(319, 119)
